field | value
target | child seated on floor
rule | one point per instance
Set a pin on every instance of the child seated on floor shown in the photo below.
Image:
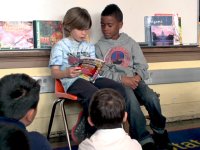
(107, 113)
(19, 98)
(13, 138)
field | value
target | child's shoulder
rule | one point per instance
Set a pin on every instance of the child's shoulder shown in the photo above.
(126, 37)
(87, 44)
(63, 43)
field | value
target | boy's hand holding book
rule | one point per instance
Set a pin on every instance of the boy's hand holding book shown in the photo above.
(73, 72)
(89, 67)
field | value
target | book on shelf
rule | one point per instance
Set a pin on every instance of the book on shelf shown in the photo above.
(155, 21)
(90, 67)
(162, 35)
(47, 33)
(176, 22)
(16, 35)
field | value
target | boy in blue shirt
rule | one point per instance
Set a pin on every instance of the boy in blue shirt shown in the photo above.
(19, 97)
(125, 63)
(76, 25)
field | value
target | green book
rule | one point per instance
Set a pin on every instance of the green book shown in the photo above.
(47, 33)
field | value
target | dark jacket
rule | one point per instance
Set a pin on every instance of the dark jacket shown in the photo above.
(36, 140)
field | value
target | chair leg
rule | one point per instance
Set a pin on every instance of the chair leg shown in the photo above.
(52, 116)
(65, 122)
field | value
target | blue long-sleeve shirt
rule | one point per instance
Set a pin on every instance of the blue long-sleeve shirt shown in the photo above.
(36, 140)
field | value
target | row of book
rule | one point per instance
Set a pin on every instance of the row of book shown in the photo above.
(29, 34)
(163, 30)
(160, 30)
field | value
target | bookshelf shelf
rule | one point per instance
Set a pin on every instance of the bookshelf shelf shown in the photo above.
(40, 57)
(167, 54)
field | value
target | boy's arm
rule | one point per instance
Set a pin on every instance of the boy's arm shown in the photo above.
(68, 73)
(140, 65)
(56, 61)
(108, 70)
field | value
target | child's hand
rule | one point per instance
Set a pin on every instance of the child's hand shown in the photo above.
(73, 72)
(130, 81)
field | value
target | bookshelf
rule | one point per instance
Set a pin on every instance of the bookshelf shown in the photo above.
(24, 58)
(40, 57)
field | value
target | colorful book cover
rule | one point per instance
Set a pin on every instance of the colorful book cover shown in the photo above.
(176, 22)
(90, 67)
(16, 35)
(156, 21)
(162, 35)
(47, 33)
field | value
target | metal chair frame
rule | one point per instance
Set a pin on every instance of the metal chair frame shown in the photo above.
(62, 97)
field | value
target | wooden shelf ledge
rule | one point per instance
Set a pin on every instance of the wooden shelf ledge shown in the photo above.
(40, 57)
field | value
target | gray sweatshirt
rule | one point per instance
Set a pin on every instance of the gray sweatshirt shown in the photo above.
(123, 57)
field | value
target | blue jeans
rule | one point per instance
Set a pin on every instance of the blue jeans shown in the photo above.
(146, 96)
(85, 90)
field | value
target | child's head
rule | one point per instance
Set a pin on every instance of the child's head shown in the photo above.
(19, 95)
(77, 21)
(107, 109)
(111, 21)
(13, 138)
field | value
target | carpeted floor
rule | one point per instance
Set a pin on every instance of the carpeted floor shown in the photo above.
(188, 139)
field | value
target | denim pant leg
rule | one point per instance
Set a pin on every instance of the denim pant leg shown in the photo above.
(136, 118)
(108, 83)
(84, 91)
(152, 104)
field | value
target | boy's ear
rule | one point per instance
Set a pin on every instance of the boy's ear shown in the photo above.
(30, 115)
(120, 25)
(90, 121)
(125, 116)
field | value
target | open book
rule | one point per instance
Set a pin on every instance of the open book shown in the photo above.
(90, 67)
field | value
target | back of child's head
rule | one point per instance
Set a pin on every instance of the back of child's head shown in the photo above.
(107, 109)
(18, 94)
(76, 18)
(113, 10)
(13, 138)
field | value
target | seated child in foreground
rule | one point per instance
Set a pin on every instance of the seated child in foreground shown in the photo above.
(13, 138)
(107, 113)
(19, 97)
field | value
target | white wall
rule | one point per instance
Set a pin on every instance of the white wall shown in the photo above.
(134, 12)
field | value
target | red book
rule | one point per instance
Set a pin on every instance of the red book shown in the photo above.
(90, 67)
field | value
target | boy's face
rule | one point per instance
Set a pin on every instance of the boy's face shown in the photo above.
(110, 27)
(79, 35)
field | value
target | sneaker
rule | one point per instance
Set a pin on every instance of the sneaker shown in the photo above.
(78, 133)
(149, 146)
(162, 141)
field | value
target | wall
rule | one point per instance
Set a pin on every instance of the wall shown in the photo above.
(179, 101)
(134, 12)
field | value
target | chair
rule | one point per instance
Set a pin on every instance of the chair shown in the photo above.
(62, 97)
